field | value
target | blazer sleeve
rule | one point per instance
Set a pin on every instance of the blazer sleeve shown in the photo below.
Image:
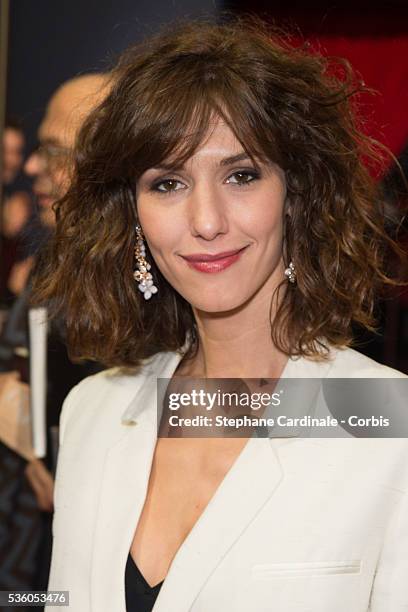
(390, 587)
(71, 401)
(67, 407)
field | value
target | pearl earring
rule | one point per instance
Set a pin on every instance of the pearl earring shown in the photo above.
(290, 272)
(142, 274)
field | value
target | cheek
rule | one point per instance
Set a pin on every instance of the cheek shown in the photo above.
(273, 231)
(60, 180)
(263, 221)
(160, 227)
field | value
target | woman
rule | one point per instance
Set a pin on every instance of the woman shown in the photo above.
(221, 224)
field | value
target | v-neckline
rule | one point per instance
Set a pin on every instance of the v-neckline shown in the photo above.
(151, 588)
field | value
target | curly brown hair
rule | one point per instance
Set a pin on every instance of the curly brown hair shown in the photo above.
(285, 105)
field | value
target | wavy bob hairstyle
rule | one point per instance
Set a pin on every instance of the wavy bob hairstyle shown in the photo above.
(285, 105)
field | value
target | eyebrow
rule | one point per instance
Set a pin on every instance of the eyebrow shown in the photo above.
(226, 161)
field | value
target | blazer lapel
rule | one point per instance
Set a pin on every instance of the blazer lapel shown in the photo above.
(237, 500)
(123, 490)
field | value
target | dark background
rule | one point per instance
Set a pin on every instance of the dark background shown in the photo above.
(51, 41)
(358, 17)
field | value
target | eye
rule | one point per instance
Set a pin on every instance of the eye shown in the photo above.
(243, 177)
(167, 185)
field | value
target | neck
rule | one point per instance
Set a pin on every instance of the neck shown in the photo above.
(237, 344)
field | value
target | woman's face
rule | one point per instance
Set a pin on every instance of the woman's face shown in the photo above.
(214, 227)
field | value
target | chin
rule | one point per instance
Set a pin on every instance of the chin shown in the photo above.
(220, 303)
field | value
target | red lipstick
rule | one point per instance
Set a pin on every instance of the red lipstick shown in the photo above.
(204, 262)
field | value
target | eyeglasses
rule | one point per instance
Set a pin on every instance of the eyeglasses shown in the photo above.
(53, 156)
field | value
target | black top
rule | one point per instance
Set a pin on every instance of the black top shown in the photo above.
(140, 596)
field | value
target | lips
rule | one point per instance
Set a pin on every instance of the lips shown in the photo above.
(207, 257)
(205, 262)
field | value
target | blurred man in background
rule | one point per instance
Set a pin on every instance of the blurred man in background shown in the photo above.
(50, 164)
(50, 167)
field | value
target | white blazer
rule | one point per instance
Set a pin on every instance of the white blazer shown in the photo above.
(297, 525)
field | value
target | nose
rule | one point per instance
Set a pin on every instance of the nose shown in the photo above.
(33, 165)
(208, 215)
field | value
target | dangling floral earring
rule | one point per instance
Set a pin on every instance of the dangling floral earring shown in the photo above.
(142, 274)
(290, 272)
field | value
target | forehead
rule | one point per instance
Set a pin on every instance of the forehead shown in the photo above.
(219, 141)
(210, 132)
(218, 147)
(64, 116)
(69, 106)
